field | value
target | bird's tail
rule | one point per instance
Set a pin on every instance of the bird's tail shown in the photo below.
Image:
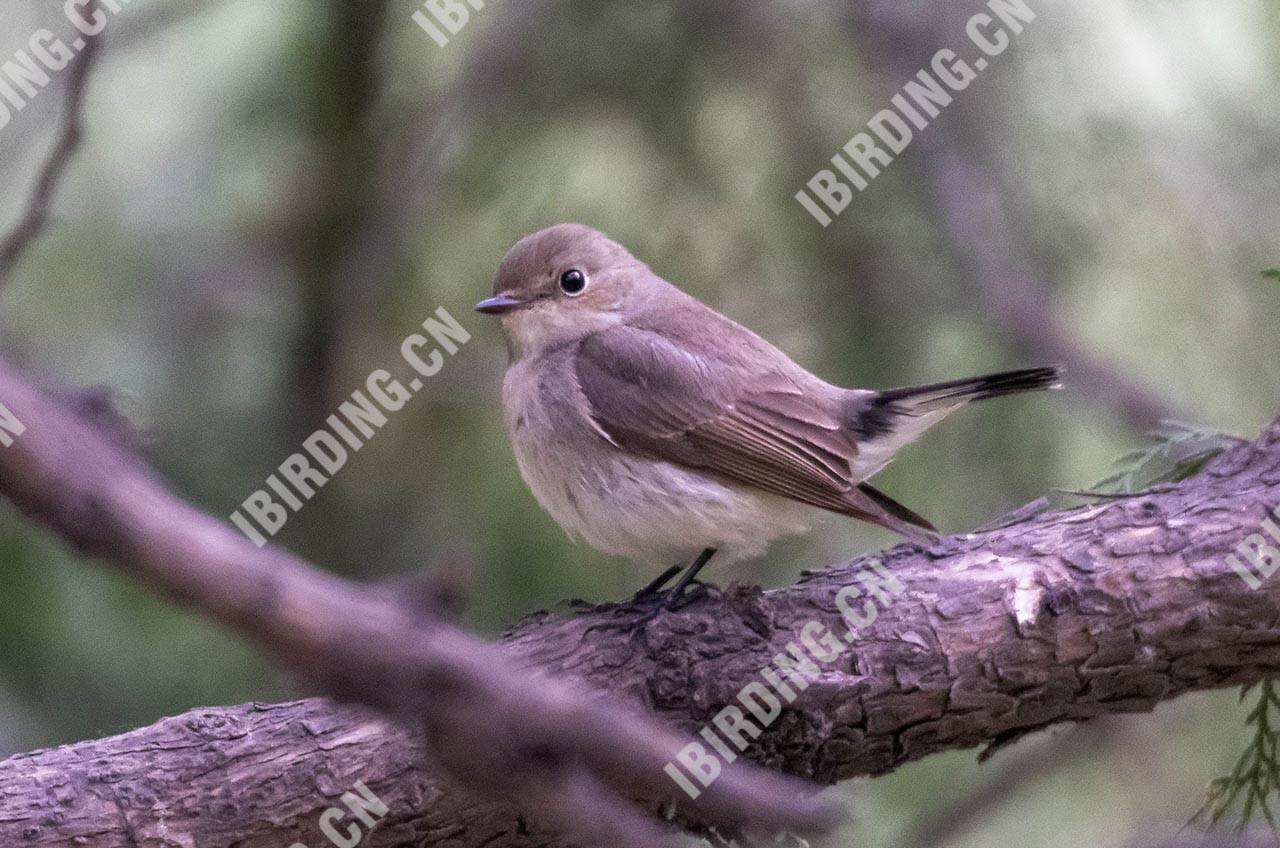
(919, 400)
(887, 421)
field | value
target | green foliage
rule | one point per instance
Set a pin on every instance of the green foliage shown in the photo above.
(1256, 776)
(1176, 452)
(1273, 274)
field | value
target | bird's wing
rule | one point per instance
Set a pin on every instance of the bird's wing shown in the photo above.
(664, 401)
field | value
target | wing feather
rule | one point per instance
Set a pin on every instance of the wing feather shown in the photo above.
(658, 400)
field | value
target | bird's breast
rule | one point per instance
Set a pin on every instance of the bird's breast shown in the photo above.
(557, 448)
(622, 503)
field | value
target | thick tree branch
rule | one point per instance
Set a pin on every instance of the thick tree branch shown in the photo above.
(1063, 617)
(1106, 608)
(501, 731)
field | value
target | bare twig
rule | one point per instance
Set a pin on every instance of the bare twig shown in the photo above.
(36, 213)
(1011, 288)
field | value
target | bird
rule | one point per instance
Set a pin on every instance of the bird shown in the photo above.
(655, 428)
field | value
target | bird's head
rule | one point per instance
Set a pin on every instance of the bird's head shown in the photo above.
(561, 284)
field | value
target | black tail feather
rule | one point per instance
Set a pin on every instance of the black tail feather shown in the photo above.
(978, 388)
(885, 422)
(886, 413)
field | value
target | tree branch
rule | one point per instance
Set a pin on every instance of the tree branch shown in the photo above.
(1062, 617)
(492, 726)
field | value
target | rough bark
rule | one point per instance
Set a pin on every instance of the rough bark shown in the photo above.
(1105, 608)
(1062, 617)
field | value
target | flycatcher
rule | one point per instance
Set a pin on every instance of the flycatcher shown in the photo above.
(657, 429)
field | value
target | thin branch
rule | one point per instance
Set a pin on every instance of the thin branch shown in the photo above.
(1011, 288)
(36, 213)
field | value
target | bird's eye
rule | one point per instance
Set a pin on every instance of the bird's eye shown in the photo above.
(573, 282)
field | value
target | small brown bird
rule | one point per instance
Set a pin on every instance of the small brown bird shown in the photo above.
(655, 428)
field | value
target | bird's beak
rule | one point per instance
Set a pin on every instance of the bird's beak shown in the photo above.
(499, 304)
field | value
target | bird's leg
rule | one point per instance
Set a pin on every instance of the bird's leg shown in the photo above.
(690, 575)
(653, 601)
(657, 584)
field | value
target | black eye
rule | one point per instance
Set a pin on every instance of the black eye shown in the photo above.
(573, 282)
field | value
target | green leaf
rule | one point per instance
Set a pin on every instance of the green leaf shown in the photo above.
(1274, 273)
(1256, 776)
(1176, 452)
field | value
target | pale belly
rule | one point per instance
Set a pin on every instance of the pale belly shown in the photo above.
(652, 512)
(655, 512)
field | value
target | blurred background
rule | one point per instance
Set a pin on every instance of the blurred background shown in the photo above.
(270, 197)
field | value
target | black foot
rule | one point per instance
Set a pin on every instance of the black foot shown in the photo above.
(652, 601)
(632, 617)
(655, 587)
(694, 590)
(690, 575)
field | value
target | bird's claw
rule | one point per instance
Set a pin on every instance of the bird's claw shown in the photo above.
(648, 605)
